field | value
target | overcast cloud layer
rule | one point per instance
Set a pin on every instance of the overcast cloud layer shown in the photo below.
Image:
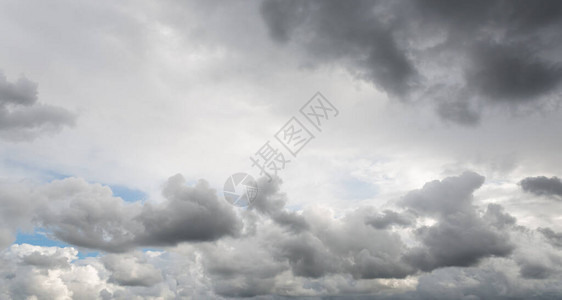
(438, 179)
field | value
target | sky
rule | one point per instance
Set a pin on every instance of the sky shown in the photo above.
(425, 158)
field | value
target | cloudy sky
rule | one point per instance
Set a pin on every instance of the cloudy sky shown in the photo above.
(438, 178)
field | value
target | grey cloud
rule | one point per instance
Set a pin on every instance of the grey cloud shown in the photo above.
(345, 32)
(131, 270)
(511, 73)
(497, 278)
(49, 261)
(461, 243)
(22, 92)
(283, 17)
(389, 218)
(327, 247)
(361, 244)
(17, 207)
(467, 283)
(128, 276)
(461, 57)
(190, 214)
(501, 50)
(36, 116)
(308, 256)
(446, 197)
(331, 256)
(542, 186)
(271, 202)
(21, 117)
(26, 270)
(89, 216)
(233, 269)
(460, 237)
(535, 271)
(464, 244)
(496, 217)
(555, 238)
(458, 111)
(349, 246)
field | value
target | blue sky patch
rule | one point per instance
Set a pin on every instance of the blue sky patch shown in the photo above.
(127, 194)
(40, 238)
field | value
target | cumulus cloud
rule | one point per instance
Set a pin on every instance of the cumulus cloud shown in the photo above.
(124, 276)
(460, 57)
(270, 201)
(467, 250)
(131, 270)
(190, 214)
(21, 117)
(461, 237)
(89, 216)
(108, 223)
(543, 186)
(260, 253)
(364, 244)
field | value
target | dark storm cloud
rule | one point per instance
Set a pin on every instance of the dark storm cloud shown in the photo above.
(461, 56)
(460, 237)
(21, 117)
(542, 186)
(344, 32)
(511, 72)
